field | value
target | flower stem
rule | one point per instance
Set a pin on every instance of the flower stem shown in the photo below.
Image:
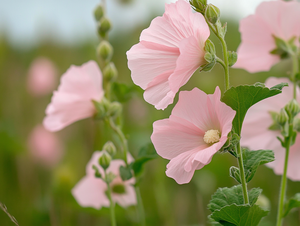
(122, 138)
(140, 205)
(242, 173)
(112, 204)
(284, 178)
(295, 71)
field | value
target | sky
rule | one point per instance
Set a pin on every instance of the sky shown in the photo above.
(26, 23)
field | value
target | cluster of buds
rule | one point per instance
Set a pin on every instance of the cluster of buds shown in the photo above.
(104, 49)
(105, 109)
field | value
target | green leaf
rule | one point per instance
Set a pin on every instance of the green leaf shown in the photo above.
(239, 215)
(241, 98)
(235, 173)
(293, 202)
(146, 154)
(125, 173)
(253, 159)
(234, 195)
(122, 91)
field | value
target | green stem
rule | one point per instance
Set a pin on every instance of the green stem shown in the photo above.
(140, 206)
(295, 71)
(242, 173)
(284, 178)
(112, 204)
(122, 138)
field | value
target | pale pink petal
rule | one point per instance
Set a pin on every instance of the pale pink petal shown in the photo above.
(90, 192)
(182, 168)
(293, 172)
(180, 138)
(44, 146)
(73, 99)
(169, 52)
(42, 77)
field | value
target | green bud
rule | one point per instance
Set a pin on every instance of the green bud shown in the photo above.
(232, 58)
(105, 50)
(110, 72)
(104, 26)
(297, 124)
(101, 108)
(210, 47)
(292, 108)
(110, 148)
(198, 5)
(104, 160)
(115, 109)
(212, 13)
(98, 12)
(282, 117)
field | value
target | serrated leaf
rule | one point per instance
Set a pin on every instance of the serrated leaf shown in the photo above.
(234, 195)
(239, 215)
(241, 98)
(253, 159)
(125, 173)
(293, 202)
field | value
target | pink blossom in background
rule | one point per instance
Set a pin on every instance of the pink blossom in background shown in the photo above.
(73, 99)
(42, 77)
(256, 134)
(169, 52)
(273, 18)
(90, 191)
(44, 146)
(195, 131)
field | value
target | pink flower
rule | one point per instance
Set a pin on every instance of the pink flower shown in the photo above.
(195, 131)
(90, 191)
(169, 52)
(42, 77)
(257, 135)
(44, 146)
(273, 18)
(73, 99)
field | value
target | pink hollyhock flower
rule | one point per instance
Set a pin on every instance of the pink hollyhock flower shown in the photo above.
(90, 191)
(42, 77)
(273, 18)
(169, 52)
(44, 146)
(73, 99)
(195, 131)
(257, 135)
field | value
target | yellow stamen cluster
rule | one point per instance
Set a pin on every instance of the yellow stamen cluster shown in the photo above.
(211, 136)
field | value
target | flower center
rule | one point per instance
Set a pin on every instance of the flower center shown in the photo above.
(118, 188)
(211, 136)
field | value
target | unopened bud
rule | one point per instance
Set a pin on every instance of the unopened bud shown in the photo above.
(232, 58)
(110, 148)
(282, 117)
(98, 12)
(292, 108)
(104, 160)
(101, 108)
(199, 5)
(297, 124)
(104, 26)
(110, 72)
(115, 109)
(212, 13)
(210, 47)
(105, 50)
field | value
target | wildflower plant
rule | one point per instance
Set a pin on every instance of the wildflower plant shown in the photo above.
(201, 125)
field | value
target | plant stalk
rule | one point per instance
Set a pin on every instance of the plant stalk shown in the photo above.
(112, 204)
(242, 174)
(140, 206)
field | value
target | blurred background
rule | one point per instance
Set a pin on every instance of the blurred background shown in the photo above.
(46, 37)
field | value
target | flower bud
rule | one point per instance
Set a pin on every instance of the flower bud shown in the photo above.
(115, 109)
(199, 5)
(104, 160)
(105, 50)
(292, 108)
(110, 72)
(98, 12)
(232, 58)
(282, 117)
(297, 124)
(104, 26)
(212, 13)
(101, 108)
(110, 148)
